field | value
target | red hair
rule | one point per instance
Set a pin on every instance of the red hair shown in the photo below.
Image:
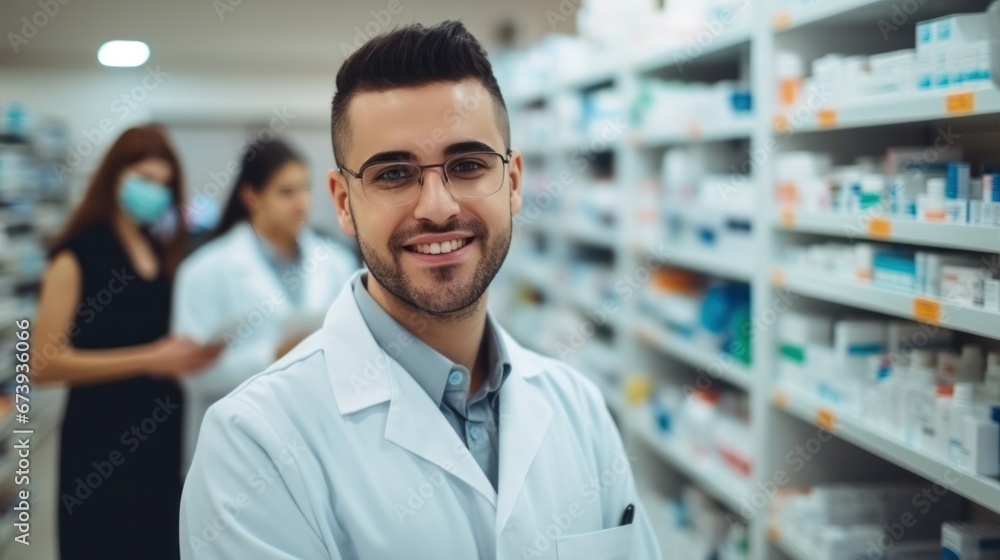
(100, 200)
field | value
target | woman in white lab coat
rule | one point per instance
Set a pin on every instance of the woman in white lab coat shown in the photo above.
(261, 283)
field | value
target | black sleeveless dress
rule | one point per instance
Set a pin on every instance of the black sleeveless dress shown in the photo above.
(119, 468)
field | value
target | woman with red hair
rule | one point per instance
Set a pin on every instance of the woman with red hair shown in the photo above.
(103, 322)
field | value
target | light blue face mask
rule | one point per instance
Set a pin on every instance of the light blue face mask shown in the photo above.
(143, 200)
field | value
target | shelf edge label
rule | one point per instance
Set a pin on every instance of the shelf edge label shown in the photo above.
(781, 20)
(880, 227)
(927, 310)
(826, 419)
(780, 399)
(958, 103)
(827, 118)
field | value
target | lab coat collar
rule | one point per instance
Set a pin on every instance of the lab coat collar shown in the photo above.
(248, 262)
(363, 375)
(359, 370)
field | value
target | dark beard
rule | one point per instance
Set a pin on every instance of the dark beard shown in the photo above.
(446, 301)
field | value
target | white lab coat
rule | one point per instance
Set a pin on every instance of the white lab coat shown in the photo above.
(336, 452)
(227, 285)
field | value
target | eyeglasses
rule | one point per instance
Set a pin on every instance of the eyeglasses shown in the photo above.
(467, 175)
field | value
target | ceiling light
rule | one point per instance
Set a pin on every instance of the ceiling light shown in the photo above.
(123, 53)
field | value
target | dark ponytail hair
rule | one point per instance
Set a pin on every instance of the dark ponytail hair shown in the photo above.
(260, 162)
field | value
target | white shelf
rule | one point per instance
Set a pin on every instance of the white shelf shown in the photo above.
(682, 55)
(590, 78)
(837, 13)
(789, 546)
(526, 97)
(984, 491)
(704, 260)
(825, 10)
(729, 371)
(714, 479)
(694, 133)
(536, 274)
(894, 109)
(598, 236)
(900, 304)
(896, 230)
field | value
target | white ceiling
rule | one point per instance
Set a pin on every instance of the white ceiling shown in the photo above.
(255, 36)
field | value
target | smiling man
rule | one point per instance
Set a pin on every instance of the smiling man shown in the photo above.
(412, 425)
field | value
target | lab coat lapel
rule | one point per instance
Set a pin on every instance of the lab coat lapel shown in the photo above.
(248, 264)
(417, 425)
(524, 418)
(363, 375)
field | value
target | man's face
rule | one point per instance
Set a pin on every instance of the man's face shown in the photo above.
(428, 125)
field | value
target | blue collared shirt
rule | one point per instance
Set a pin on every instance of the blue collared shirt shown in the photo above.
(474, 418)
(281, 264)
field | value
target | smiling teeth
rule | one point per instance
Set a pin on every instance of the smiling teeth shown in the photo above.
(438, 248)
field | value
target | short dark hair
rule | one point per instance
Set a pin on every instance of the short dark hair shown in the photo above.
(411, 56)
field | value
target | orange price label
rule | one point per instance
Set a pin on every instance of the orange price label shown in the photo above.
(880, 227)
(827, 118)
(787, 219)
(781, 399)
(773, 533)
(964, 102)
(927, 310)
(788, 194)
(782, 20)
(826, 419)
(778, 277)
(781, 124)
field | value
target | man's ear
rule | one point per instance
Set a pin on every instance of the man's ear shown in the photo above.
(516, 185)
(341, 201)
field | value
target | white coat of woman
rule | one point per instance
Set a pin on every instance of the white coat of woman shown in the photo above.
(261, 284)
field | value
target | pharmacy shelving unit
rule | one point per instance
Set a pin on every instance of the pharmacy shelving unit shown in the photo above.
(982, 490)
(27, 216)
(778, 416)
(885, 228)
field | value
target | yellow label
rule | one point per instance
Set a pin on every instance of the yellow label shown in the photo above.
(826, 419)
(778, 277)
(827, 118)
(789, 90)
(927, 310)
(782, 20)
(880, 227)
(787, 219)
(781, 123)
(964, 102)
(773, 533)
(781, 399)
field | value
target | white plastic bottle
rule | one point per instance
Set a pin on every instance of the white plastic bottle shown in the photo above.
(934, 432)
(919, 394)
(947, 367)
(991, 383)
(963, 405)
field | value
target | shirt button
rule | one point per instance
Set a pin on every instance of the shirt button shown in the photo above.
(455, 378)
(477, 432)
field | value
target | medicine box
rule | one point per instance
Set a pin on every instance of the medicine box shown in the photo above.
(970, 541)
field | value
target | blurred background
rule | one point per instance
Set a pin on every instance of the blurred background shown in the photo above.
(767, 229)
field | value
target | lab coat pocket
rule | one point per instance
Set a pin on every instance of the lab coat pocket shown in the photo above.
(607, 544)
